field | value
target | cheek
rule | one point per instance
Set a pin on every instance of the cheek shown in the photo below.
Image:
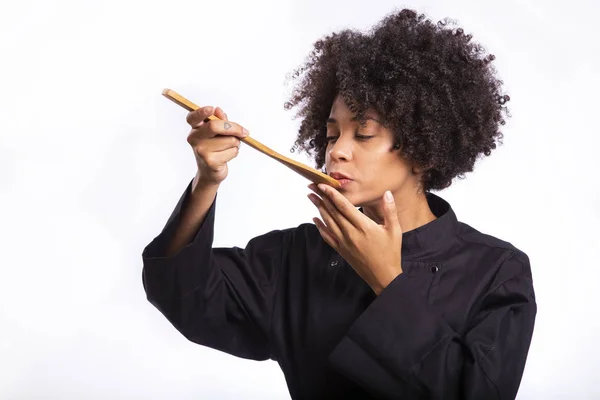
(387, 172)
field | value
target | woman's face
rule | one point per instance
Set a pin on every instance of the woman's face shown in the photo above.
(364, 154)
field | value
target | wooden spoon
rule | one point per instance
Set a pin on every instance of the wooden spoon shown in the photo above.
(309, 173)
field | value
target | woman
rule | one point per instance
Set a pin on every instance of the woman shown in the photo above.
(394, 299)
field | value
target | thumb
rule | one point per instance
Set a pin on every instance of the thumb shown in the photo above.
(390, 215)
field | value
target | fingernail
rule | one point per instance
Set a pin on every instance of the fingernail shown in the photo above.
(388, 196)
(208, 109)
(245, 131)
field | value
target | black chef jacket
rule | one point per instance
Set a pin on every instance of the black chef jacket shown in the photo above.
(456, 324)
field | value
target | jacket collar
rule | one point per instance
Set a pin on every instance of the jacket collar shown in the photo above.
(433, 236)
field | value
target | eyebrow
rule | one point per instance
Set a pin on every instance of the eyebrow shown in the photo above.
(353, 119)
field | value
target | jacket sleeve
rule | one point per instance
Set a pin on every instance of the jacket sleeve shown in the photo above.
(400, 347)
(222, 297)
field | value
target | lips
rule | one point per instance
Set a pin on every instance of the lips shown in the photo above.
(339, 176)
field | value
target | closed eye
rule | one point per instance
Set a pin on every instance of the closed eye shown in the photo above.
(330, 139)
(364, 137)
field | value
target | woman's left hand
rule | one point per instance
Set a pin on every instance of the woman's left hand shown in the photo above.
(373, 250)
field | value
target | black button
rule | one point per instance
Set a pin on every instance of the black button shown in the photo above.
(434, 269)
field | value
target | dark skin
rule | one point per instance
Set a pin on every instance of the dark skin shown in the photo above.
(371, 242)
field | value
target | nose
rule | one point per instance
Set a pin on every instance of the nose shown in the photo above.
(340, 149)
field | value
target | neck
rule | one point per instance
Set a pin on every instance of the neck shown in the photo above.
(413, 211)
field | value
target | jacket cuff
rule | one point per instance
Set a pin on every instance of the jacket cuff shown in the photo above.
(157, 248)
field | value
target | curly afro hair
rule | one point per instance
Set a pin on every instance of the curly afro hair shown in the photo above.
(429, 83)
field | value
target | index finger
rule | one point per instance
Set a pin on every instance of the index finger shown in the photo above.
(345, 208)
(198, 117)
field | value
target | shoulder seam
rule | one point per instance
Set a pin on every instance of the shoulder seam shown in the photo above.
(507, 246)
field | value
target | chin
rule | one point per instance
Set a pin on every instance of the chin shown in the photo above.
(350, 196)
(357, 199)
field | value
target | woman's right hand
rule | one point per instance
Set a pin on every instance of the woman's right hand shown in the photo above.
(214, 143)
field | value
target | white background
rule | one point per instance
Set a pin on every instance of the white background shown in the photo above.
(93, 159)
